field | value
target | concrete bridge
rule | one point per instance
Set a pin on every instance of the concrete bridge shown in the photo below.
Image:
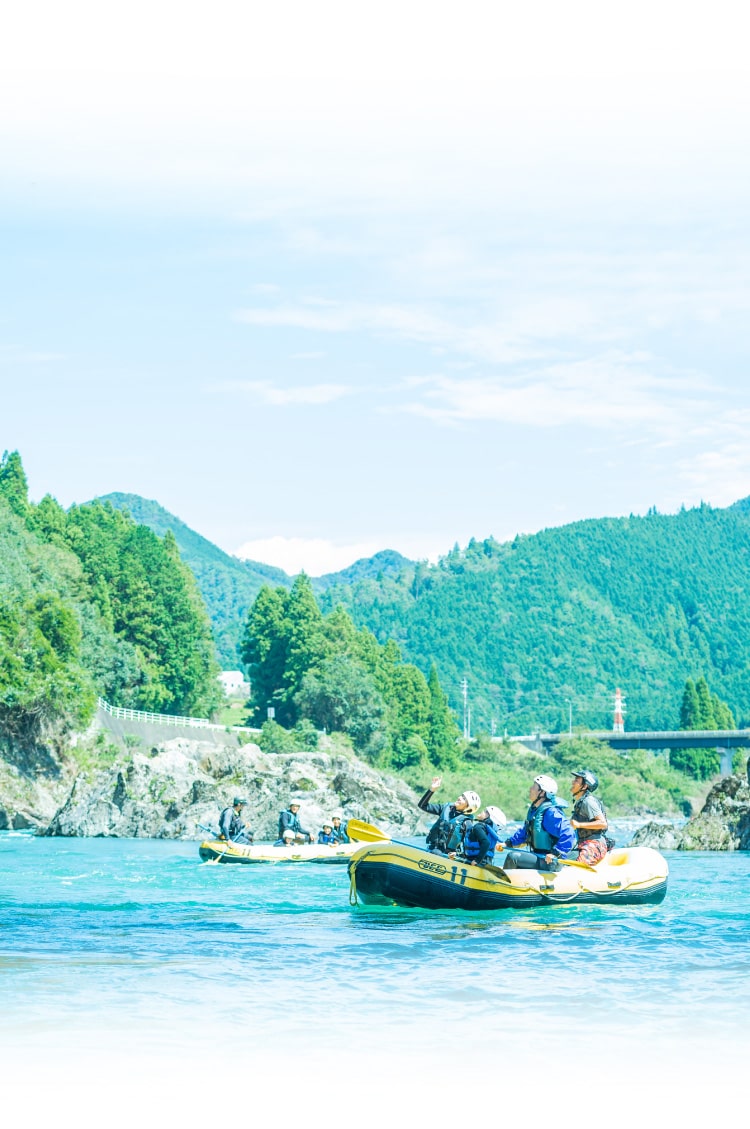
(723, 740)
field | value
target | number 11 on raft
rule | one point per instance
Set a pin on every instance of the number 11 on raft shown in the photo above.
(454, 875)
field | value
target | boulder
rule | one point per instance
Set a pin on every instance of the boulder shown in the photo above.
(179, 784)
(723, 823)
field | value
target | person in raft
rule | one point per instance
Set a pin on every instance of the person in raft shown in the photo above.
(588, 818)
(326, 837)
(289, 821)
(232, 827)
(546, 830)
(339, 830)
(286, 840)
(445, 833)
(482, 835)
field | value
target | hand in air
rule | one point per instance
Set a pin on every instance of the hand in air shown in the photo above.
(435, 783)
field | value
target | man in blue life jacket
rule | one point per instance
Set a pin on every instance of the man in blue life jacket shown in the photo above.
(588, 818)
(546, 830)
(445, 834)
(326, 837)
(339, 830)
(482, 835)
(289, 821)
(232, 827)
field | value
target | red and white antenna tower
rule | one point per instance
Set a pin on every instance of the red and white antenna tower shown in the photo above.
(619, 725)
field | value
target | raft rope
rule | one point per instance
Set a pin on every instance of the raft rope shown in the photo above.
(353, 883)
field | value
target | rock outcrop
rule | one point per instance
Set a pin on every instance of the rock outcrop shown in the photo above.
(180, 784)
(723, 824)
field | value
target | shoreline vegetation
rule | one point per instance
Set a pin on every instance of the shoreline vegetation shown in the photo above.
(94, 604)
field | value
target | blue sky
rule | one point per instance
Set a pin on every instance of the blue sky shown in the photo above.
(328, 279)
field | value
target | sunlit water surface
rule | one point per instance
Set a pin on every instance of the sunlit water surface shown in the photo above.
(116, 951)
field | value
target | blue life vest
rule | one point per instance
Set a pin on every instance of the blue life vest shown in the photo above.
(540, 839)
(327, 839)
(472, 846)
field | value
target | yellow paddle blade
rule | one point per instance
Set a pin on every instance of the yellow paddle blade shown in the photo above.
(362, 832)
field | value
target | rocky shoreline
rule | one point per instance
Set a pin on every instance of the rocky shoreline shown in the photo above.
(169, 789)
(723, 823)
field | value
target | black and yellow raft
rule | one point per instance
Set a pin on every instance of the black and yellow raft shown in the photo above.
(216, 850)
(398, 874)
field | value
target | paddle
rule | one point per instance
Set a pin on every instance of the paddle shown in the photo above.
(362, 832)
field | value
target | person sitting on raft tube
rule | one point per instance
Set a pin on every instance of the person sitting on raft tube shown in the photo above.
(339, 830)
(289, 821)
(445, 833)
(588, 818)
(286, 840)
(546, 830)
(482, 835)
(232, 827)
(326, 837)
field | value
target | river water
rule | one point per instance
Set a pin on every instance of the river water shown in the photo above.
(137, 980)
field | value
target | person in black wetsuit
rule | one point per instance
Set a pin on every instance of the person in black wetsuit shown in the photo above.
(232, 828)
(445, 834)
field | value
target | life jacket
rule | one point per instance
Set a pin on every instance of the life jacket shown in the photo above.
(330, 838)
(585, 833)
(540, 840)
(445, 834)
(290, 823)
(472, 846)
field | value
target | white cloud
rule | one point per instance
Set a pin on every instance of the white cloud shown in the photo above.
(283, 397)
(610, 391)
(315, 555)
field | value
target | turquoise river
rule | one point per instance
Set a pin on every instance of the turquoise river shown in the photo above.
(140, 986)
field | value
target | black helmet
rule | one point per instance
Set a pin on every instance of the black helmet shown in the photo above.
(238, 802)
(587, 776)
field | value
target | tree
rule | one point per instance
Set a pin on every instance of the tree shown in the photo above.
(442, 728)
(690, 708)
(342, 697)
(264, 648)
(13, 485)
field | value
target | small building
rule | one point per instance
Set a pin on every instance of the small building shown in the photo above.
(234, 683)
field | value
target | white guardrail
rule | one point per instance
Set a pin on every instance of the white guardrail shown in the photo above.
(166, 718)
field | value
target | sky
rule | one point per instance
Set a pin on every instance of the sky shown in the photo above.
(328, 279)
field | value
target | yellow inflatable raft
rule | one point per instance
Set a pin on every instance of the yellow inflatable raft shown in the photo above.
(216, 850)
(398, 874)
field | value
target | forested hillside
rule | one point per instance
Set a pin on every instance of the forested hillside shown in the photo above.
(548, 625)
(229, 585)
(92, 603)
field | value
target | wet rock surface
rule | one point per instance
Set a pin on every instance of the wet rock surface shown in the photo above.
(723, 824)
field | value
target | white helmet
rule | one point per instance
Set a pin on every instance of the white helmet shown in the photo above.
(496, 815)
(547, 784)
(472, 801)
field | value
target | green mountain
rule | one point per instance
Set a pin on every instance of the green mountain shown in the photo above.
(92, 603)
(229, 585)
(545, 627)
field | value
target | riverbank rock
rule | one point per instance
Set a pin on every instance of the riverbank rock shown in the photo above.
(33, 784)
(180, 784)
(723, 824)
